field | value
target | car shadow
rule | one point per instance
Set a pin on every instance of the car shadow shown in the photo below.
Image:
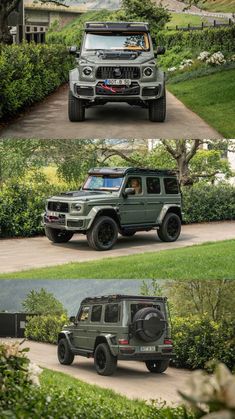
(139, 240)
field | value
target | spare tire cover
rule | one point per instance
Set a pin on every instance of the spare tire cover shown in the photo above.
(149, 324)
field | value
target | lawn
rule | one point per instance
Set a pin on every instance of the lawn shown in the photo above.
(211, 97)
(183, 19)
(213, 260)
(89, 401)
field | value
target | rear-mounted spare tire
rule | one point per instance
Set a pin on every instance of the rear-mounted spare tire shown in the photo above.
(148, 324)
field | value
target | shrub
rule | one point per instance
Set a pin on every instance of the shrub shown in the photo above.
(208, 39)
(21, 206)
(45, 328)
(198, 340)
(29, 72)
(204, 202)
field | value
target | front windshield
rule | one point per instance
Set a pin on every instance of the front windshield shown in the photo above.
(103, 183)
(117, 41)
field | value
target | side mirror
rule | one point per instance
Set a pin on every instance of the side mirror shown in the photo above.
(128, 191)
(159, 51)
(73, 50)
(72, 319)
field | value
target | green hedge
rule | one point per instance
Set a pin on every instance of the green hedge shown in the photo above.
(29, 72)
(207, 39)
(204, 202)
(199, 340)
(45, 328)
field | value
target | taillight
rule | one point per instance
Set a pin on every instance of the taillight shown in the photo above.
(168, 342)
(123, 341)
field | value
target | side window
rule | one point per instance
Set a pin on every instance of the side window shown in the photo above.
(136, 183)
(153, 185)
(96, 313)
(111, 313)
(171, 185)
(84, 313)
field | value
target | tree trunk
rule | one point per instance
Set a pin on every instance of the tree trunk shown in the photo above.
(5, 36)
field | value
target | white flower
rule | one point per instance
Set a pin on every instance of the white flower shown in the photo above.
(34, 371)
(216, 59)
(171, 69)
(203, 56)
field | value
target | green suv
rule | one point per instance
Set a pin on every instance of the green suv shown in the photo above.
(116, 200)
(119, 327)
(116, 63)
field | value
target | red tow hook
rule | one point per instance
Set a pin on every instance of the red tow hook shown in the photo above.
(111, 89)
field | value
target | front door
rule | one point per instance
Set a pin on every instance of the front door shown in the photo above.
(132, 208)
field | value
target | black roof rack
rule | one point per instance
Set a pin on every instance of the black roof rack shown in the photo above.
(116, 26)
(121, 171)
(119, 297)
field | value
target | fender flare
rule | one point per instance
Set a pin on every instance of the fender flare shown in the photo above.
(164, 211)
(94, 213)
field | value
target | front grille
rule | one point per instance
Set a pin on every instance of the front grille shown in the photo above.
(58, 206)
(132, 90)
(125, 73)
(74, 223)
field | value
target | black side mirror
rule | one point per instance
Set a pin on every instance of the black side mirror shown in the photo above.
(159, 51)
(73, 50)
(72, 319)
(128, 191)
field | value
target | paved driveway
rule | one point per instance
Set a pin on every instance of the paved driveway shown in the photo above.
(20, 254)
(49, 120)
(131, 378)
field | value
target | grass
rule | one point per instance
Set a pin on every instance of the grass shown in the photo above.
(213, 260)
(212, 98)
(183, 19)
(226, 6)
(90, 401)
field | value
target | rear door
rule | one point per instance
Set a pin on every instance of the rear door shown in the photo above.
(154, 198)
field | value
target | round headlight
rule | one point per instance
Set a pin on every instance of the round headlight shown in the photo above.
(87, 71)
(77, 207)
(148, 71)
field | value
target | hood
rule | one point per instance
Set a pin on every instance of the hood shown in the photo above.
(116, 57)
(81, 196)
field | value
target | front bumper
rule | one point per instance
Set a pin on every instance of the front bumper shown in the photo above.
(66, 221)
(97, 91)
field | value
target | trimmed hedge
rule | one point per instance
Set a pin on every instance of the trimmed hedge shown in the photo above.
(29, 72)
(204, 202)
(199, 340)
(45, 328)
(206, 39)
(21, 206)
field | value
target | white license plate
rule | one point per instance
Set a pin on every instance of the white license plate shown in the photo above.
(147, 349)
(118, 82)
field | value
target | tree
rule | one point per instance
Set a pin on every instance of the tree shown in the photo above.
(216, 298)
(147, 11)
(6, 8)
(43, 303)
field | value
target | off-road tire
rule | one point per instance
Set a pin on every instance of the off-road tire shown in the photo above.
(127, 233)
(58, 236)
(105, 363)
(170, 228)
(65, 356)
(76, 109)
(157, 109)
(103, 233)
(157, 367)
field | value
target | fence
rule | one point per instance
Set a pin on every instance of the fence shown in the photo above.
(12, 325)
(203, 25)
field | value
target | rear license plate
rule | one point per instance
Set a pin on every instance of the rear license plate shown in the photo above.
(118, 82)
(147, 349)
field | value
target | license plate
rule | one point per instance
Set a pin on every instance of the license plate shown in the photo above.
(118, 82)
(147, 349)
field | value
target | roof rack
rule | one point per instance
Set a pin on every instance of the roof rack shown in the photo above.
(121, 171)
(116, 26)
(120, 297)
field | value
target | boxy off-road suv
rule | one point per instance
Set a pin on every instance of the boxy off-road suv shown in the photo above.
(116, 63)
(117, 327)
(116, 200)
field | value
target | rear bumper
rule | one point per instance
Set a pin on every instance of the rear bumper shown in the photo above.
(95, 92)
(156, 356)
